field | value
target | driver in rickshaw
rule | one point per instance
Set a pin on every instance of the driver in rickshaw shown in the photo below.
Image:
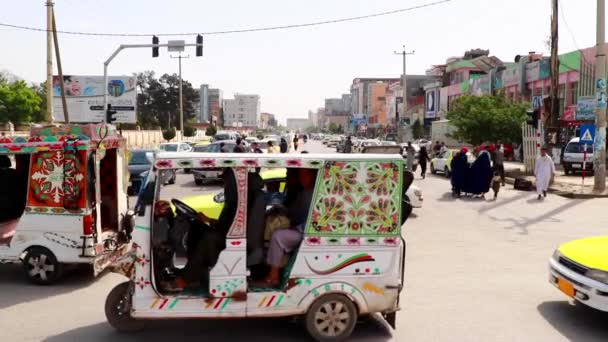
(206, 240)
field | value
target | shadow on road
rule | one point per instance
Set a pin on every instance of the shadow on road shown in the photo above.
(575, 322)
(522, 223)
(499, 202)
(15, 288)
(267, 329)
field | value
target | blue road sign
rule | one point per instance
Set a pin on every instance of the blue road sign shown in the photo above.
(587, 134)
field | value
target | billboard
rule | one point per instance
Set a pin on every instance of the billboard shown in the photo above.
(585, 108)
(84, 97)
(432, 103)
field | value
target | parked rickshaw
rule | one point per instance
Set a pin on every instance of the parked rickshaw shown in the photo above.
(63, 189)
(349, 261)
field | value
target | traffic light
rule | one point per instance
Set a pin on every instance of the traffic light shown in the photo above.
(533, 116)
(110, 114)
(199, 45)
(155, 48)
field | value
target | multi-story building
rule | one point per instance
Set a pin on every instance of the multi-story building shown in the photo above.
(313, 117)
(242, 112)
(297, 124)
(361, 99)
(210, 105)
(267, 121)
(216, 103)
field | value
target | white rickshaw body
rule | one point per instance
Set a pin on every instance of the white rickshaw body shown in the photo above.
(72, 183)
(351, 247)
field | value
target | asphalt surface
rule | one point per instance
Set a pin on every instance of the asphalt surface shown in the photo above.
(476, 270)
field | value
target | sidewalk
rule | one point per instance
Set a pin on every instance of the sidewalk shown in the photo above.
(568, 186)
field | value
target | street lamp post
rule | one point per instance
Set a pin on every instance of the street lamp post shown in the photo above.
(404, 53)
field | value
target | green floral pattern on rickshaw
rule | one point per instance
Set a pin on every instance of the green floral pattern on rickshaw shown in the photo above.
(357, 198)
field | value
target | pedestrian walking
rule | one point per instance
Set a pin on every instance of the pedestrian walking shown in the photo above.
(411, 154)
(239, 148)
(348, 145)
(436, 148)
(459, 172)
(443, 148)
(295, 142)
(255, 148)
(423, 157)
(498, 159)
(543, 171)
(284, 146)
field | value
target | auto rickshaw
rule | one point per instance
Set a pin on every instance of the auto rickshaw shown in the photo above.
(349, 261)
(64, 188)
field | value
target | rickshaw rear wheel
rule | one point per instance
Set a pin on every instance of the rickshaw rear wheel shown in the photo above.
(118, 309)
(331, 318)
(41, 266)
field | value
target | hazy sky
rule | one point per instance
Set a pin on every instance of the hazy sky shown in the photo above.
(292, 70)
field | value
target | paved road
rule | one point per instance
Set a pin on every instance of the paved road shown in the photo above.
(476, 271)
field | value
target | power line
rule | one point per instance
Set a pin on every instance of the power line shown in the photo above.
(246, 30)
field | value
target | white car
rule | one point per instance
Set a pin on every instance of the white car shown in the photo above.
(443, 162)
(175, 147)
(361, 144)
(415, 196)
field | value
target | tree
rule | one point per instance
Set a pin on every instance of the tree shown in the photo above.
(189, 131)
(312, 129)
(40, 90)
(210, 131)
(158, 100)
(417, 129)
(333, 128)
(169, 134)
(18, 103)
(488, 118)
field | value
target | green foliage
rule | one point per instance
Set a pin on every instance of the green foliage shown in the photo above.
(417, 129)
(333, 128)
(211, 131)
(312, 129)
(158, 100)
(488, 118)
(189, 131)
(169, 134)
(18, 103)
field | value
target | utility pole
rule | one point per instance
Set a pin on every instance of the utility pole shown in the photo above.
(49, 60)
(554, 114)
(64, 103)
(600, 111)
(181, 99)
(404, 53)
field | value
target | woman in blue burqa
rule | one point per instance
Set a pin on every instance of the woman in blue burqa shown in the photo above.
(480, 175)
(460, 169)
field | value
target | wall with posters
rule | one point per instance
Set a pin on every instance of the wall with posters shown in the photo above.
(84, 95)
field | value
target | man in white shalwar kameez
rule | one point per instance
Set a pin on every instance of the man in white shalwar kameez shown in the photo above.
(543, 172)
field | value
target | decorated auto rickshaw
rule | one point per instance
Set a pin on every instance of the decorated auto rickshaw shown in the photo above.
(349, 260)
(63, 190)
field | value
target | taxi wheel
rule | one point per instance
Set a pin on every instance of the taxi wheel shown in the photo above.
(331, 318)
(198, 181)
(118, 309)
(433, 171)
(446, 171)
(41, 266)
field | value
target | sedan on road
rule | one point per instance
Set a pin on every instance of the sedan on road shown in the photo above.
(140, 164)
(213, 174)
(579, 269)
(443, 162)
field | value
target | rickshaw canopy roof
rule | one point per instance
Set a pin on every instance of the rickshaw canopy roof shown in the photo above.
(172, 160)
(53, 138)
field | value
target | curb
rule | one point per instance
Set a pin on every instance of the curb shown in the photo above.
(567, 194)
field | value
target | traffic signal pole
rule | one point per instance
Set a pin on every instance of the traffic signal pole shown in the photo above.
(118, 50)
(600, 111)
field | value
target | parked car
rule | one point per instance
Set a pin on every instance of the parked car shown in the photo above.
(361, 144)
(140, 164)
(443, 162)
(572, 160)
(213, 174)
(334, 141)
(579, 269)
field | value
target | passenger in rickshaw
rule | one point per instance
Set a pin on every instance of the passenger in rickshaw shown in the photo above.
(206, 240)
(13, 195)
(285, 241)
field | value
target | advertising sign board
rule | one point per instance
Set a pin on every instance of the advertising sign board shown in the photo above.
(84, 95)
